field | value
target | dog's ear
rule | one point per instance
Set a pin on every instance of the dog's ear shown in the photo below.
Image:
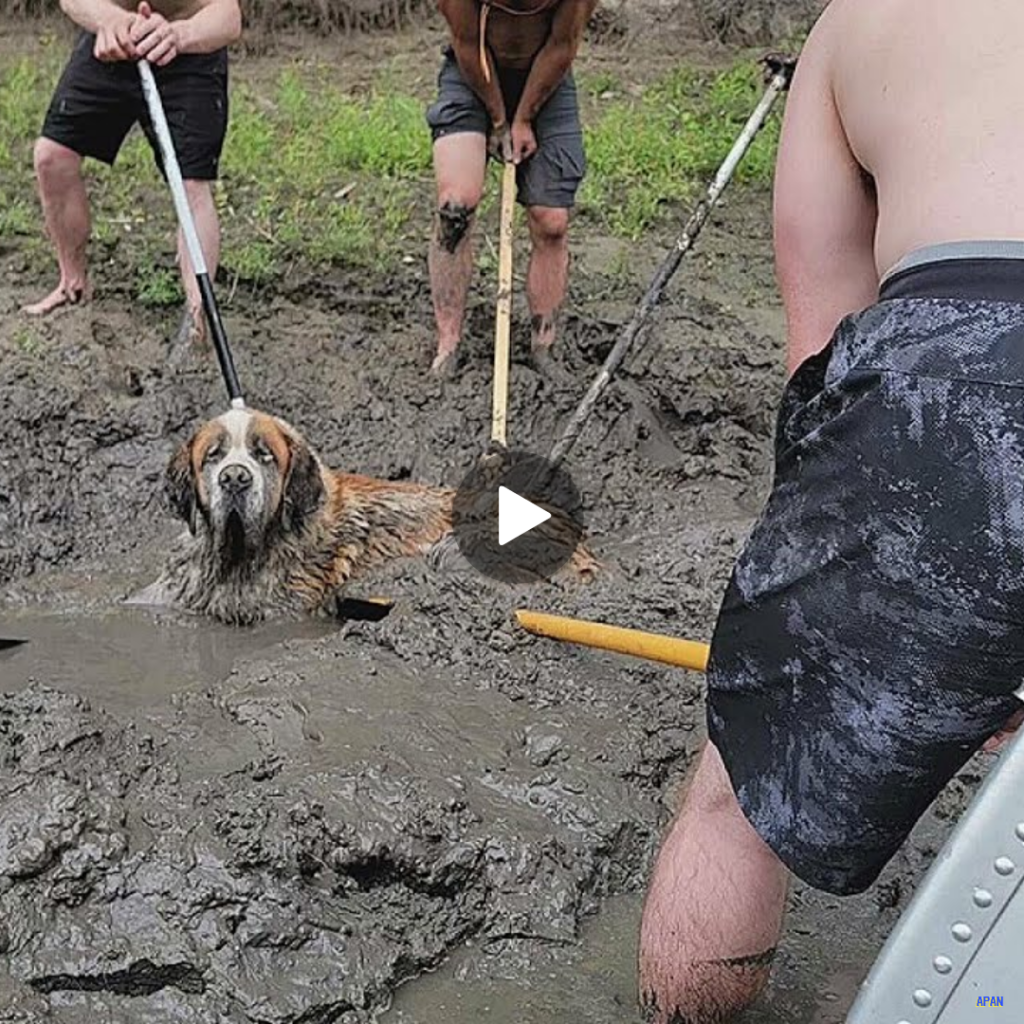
(180, 486)
(303, 486)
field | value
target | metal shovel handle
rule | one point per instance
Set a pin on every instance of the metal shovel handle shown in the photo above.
(188, 229)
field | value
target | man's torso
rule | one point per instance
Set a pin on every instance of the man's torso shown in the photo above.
(931, 97)
(172, 10)
(517, 29)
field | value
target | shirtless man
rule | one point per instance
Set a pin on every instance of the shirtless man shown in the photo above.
(511, 94)
(99, 98)
(871, 636)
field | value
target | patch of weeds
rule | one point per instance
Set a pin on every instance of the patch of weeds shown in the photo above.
(600, 83)
(22, 89)
(159, 288)
(315, 175)
(27, 341)
(661, 148)
(320, 176)
(253, 260)
(17, 217)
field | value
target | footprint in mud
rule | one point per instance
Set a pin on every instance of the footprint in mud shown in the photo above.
(103, 334)
(122, 378)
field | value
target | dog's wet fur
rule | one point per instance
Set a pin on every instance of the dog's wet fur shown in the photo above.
(272, 531)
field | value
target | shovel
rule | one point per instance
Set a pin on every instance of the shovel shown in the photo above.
(188, 229)
(779, 70)
(503, 315)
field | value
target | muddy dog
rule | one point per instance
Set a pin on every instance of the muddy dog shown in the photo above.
(272, 531)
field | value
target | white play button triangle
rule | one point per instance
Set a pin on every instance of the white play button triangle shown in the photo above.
(517, 516)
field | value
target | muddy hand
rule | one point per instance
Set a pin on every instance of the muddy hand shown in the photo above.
(499, 143)
(524, 142)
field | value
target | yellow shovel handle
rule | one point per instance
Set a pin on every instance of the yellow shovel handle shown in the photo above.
(668, 649)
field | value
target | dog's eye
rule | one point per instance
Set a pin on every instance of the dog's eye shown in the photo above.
(262, 452)
(213, 452)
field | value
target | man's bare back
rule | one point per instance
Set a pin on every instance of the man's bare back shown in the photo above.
(902, 130)
(928, 92)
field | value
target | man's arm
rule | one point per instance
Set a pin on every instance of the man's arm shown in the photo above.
(463, 17)
(110, 23)
(825, 210)
(218, 23)
(555, 57)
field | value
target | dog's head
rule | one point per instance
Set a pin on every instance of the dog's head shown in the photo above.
(244, 478)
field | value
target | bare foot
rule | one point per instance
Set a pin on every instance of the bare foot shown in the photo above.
(63, 295)
(444, 365)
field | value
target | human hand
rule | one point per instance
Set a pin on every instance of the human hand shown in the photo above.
(154, 37)
(524, 142)
(499, 143)
(113, 39)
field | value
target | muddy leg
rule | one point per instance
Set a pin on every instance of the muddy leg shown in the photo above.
(459, 163)
(204, 211)
(66, 210)
(546, 277)
(713, 911)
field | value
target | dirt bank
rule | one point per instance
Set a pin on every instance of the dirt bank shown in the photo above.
(285, 824)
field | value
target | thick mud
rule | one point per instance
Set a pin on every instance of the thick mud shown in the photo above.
(290, 823)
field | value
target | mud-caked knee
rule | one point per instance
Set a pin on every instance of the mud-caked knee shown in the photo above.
(453, 223)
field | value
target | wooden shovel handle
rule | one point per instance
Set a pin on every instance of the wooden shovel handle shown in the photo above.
(503, 314)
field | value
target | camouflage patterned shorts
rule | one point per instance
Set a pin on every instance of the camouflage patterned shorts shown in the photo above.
(872, 634)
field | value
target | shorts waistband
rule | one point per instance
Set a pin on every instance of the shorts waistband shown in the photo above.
(983, 270)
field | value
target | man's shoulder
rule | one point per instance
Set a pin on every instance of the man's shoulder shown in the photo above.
(844, 22)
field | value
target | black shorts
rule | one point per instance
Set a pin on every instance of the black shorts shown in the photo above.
(95, 104)
(552, 176)
(872, 634)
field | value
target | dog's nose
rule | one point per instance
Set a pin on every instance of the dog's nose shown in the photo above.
(235, 479)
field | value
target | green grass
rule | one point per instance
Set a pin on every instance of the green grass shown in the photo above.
(315, 176)
(658, 150)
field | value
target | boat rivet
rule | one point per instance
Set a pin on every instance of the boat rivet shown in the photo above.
(1020, 831)
(1004, 866)
(962, 932)
(982, 898)
(942, 964)
(923, 997)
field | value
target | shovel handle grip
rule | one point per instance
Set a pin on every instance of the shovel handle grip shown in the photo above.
(669, 650)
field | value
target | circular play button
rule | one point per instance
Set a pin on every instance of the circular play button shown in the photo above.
(516, 518)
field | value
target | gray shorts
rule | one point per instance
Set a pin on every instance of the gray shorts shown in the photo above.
(872, 635)
(553, 174)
